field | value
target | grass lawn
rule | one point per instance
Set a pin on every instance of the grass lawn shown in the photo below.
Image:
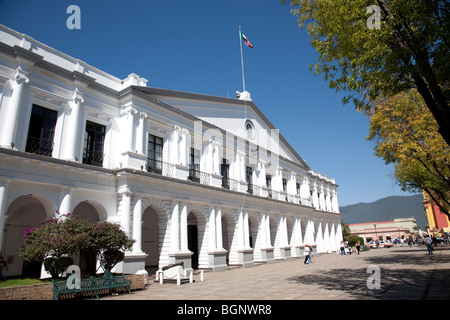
(21, 282)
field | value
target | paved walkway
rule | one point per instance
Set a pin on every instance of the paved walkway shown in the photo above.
(405, 274)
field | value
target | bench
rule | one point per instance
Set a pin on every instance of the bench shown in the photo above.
(92, 285)
(175, 273)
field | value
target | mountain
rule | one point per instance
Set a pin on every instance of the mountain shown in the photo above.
(386, 209)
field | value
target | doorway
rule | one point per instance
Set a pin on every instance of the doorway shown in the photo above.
(193, 244)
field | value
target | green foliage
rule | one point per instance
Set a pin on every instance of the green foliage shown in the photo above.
(406, 135)
(345, 229)
(409, 50)
(354, 239)
(56, 239)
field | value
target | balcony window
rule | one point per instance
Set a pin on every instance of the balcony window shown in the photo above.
(94, 138)
(269, 184)
(224, 171)
(194, 165)
(41, 131)
(155, 152)
(248, 179)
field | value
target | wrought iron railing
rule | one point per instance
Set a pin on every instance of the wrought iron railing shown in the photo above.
(254, 189)
(94, 158)
(159, 167)
(199, 176)
(40, 146)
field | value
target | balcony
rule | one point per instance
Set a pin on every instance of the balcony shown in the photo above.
(161, 168)
(40, 146)
(199, 176)
(93, 158)
(230, 184)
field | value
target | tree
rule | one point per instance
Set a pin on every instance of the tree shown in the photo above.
(406, 134)
(345, 229)
(410, 49)
(56, 239)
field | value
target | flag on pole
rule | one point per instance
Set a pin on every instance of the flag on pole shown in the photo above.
(247, 43)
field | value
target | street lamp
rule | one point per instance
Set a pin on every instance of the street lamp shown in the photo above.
(376, 234)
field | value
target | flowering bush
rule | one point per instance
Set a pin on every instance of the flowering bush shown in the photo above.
(58, 238)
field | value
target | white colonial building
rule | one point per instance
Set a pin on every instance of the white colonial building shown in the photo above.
(195, 178)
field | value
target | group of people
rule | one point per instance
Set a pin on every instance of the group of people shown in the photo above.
(346, 248)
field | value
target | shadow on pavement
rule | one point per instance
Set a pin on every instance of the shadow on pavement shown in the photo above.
(414, 281)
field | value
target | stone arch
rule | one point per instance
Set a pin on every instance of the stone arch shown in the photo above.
(155, 240)
(24, 212)
(93, 212)
(197, 239)
(90, 210)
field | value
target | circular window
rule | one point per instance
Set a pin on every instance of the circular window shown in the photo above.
(250, 129)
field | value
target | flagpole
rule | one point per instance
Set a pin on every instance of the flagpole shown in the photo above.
(242, 60)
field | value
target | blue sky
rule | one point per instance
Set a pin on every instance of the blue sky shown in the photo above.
(193, 46)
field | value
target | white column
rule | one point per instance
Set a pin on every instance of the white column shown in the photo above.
(291, 184)
(137, 224)
(206, 160)
(174, 227)
(127, 127)
(125, 211)
(277, 180)
(240, 155)
(240, 230)
(285, 240)
(184, 144)
(322, 199)
(298, 232)
(334, 202)
(3, 192)
(246, 231)
(262, 227)
(9, 131)
(268, 236)
(212, 228)
(328, 201)
(183, 227)
(262, 172)
(219, 240)
(315, 198)
(66, 201)
(305, 192)
(140, 133)
(215, 149)
(72, 131)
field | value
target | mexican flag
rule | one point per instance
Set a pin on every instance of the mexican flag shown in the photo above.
(247, 43)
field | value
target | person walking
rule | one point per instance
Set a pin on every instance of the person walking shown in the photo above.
(358, 247)
(342, 248)
(307, 254)
(429, 242)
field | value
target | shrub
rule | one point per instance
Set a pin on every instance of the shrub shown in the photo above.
(58, 238)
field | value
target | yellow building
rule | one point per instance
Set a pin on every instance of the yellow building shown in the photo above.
(438, 222)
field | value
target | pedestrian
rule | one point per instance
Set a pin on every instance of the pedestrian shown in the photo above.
(307, 254)
(342, 248)
(3, 264)
(429, 242)
(358, 247)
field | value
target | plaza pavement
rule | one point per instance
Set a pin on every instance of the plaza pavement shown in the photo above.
(405, 273)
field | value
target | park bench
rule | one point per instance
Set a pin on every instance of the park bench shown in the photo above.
(92, 285)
